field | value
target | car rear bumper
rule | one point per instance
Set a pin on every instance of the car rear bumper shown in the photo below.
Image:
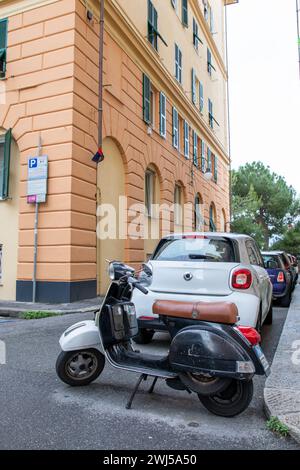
(248, 304)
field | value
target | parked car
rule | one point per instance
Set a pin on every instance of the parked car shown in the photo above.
(212, 267)
(294, 267)
(280, 275)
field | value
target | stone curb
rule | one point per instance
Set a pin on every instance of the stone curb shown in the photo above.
(282, 387)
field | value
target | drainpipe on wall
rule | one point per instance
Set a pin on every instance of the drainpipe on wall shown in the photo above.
(101, 48)
(228, 123)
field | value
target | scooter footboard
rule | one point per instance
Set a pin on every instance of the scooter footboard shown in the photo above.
(210, 350)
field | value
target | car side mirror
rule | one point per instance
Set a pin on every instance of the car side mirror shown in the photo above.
(147, 270)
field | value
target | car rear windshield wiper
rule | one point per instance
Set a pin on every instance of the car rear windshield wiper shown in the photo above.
(199, 256)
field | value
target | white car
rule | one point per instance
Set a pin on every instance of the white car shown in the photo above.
(208, 267)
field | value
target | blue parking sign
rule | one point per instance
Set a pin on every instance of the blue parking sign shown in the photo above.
(32, 163)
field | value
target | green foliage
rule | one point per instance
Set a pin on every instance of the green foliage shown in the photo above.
(32, 315)
(290, 241)
(262, 202)
(275, 425)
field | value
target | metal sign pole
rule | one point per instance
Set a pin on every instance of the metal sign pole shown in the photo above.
(36, 220)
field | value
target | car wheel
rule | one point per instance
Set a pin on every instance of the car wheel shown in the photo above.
(144, 336)
(269, 317)
(286, 300)
(78, 368)
(232, 401)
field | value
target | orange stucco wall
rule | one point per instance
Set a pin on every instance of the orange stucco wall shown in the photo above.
(52, 90)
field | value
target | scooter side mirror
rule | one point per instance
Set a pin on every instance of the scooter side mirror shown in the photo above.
(147, 270)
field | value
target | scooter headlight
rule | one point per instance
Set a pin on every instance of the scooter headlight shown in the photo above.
(111, 271)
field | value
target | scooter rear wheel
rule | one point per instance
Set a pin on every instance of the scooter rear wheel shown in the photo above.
(79, 368)
(230, 402)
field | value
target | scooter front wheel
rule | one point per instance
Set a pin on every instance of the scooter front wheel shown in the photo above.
(78, 368)
(230, 402)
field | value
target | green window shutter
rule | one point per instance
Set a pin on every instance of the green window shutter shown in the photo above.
(162, 115)
(209, 168)
(175, 129)
(195, 148)
(210, 114)
(201, 95)
(3, 46)
(146, 99)
(203, 159)
(185, 13)
(195, 34)
(209, 61)
(5, 149)
(194, 97)
(152, 24)
(212, 225)
(186, 140)
(216, 163)
(178, 64)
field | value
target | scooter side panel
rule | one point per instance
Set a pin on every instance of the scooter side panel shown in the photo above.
(207, 350)
(81, 335)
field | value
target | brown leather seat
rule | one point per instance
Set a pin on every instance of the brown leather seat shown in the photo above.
(216, 312)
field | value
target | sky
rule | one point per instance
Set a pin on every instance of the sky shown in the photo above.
(265, 86)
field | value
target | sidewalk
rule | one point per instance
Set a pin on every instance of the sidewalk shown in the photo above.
(15, 309)
(282, 388)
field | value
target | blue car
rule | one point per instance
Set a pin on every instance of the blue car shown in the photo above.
(280, 275)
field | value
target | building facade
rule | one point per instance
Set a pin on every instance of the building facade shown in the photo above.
(164, 130)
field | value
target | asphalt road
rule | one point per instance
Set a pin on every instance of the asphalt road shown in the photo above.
(37, 411)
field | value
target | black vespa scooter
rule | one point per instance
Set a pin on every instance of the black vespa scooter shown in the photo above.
(208, 354)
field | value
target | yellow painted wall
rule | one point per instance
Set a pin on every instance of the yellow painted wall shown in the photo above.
(9, 216)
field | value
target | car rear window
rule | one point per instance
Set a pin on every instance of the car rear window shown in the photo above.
(272, 258)
(197, 249)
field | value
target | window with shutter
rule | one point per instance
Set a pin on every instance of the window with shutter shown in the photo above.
(186, 139)
(3, 46)
(175, 129)
(203, 159)
(5, 149)
(212, 224)
(210, 114)
(195, 148)
(185, 13)
(216, 163)
(209, 162)
(162, 115)
(178, 64)
(194, 95)
(146, 99)
(153, 33)
(201, 97)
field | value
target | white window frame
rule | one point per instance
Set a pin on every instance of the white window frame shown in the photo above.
(195, 149)
(194, 91)
(201, 97)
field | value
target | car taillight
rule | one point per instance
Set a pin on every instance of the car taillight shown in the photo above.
(242, 279)
(250, 334)
(280, 277)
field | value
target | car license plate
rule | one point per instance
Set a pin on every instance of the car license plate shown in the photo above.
(262, 358)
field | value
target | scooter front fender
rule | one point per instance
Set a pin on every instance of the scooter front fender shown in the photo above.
(81, 335)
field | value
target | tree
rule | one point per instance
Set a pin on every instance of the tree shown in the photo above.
(290, 242)
(262, 202)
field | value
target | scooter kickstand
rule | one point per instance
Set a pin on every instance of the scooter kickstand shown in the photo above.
(151, 389)
(141, 378)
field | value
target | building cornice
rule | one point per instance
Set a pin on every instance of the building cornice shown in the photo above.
(13, 7)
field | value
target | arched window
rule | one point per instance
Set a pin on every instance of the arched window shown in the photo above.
(223, 221)
(149, 191)
(212, 218)
(178, 203)
(198, 217)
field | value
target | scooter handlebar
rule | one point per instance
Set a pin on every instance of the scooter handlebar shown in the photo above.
(137, 285)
